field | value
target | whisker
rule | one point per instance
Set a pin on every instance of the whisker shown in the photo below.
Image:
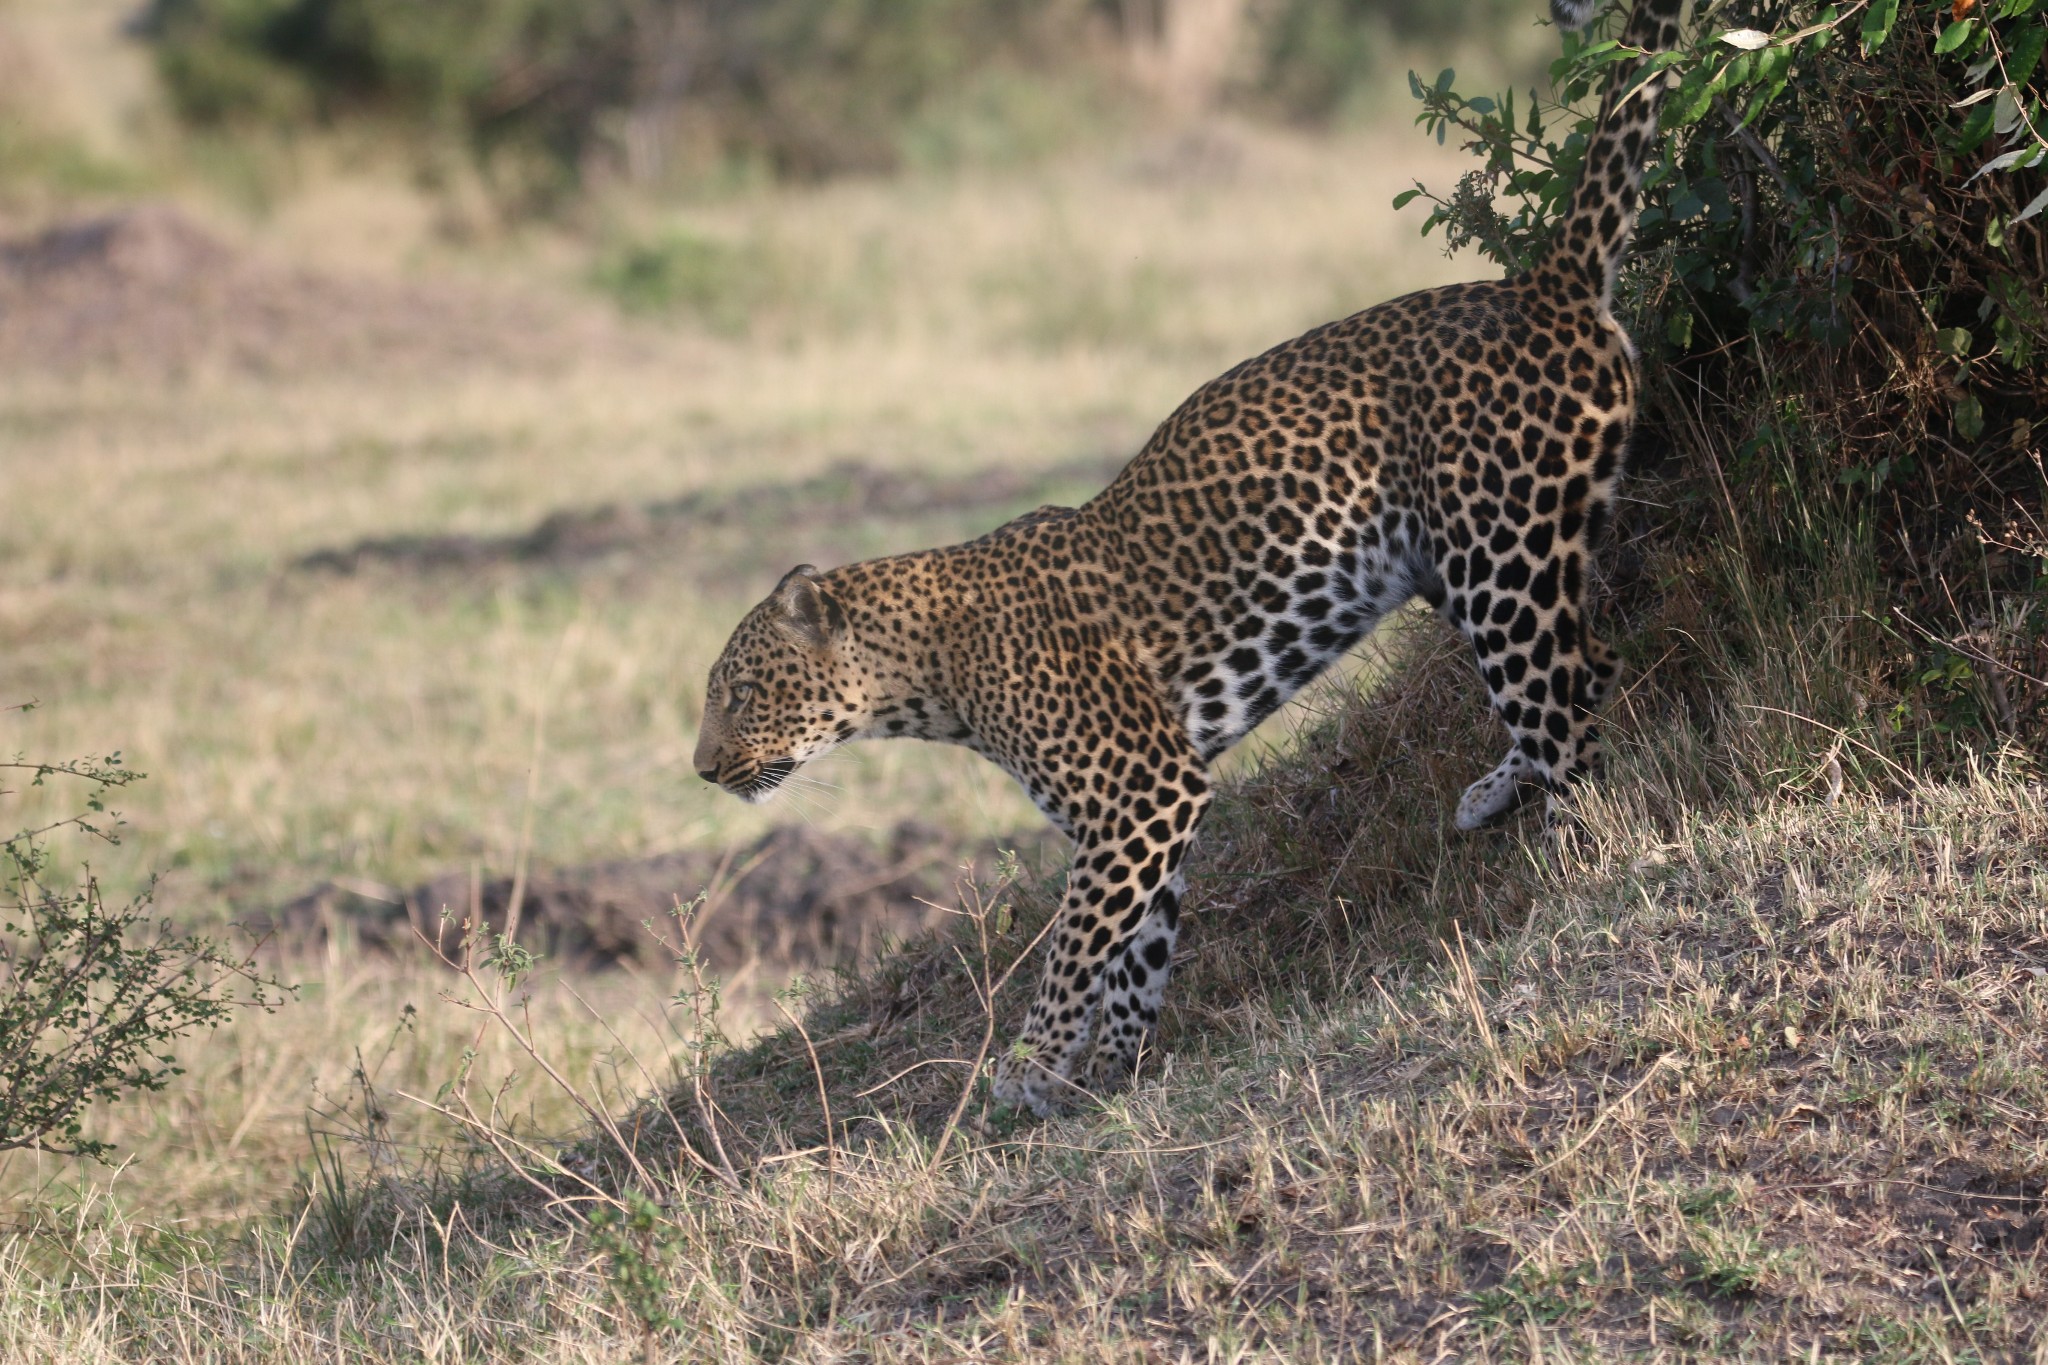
(800, 806)
(822, 788)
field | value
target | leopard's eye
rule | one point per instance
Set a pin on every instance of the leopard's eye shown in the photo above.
(738, 695)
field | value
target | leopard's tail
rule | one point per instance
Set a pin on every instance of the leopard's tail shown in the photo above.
(1594, 239)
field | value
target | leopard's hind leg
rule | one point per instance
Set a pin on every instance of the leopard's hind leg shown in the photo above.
(1544, 672)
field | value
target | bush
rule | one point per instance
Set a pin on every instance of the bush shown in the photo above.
(91, 995)
(680, 273)
(546, 91)
(1842, 279)
(553, 88)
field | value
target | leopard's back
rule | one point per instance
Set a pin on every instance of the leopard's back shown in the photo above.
(1293, 501)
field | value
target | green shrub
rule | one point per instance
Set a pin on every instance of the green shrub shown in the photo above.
(1842, 276)
(92, 995)
(722, 285)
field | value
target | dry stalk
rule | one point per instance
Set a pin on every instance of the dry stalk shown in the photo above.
(986, 990)
(523, 850)
(702, 1026)
(1468, 988)
(824, 1100)
(1905, 778)
(498, 1139)
(653, 1084)
(492, 1011)
(1600, 1119)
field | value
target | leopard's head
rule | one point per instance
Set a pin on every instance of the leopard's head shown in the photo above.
(789, 686)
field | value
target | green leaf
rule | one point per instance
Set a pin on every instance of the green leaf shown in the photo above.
(1678, 329)
(1954, 35)
(1771, 66)
(1975, 130)
(1877, 24)
(2026, 53)
(1444, 79)
(1694, 96)
(1736, 73)
(1406, 197)
(1969, 417)
(1954, 341)
(2006, 161)
(2005, 111)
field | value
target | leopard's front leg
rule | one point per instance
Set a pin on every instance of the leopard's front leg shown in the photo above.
(1105, 970)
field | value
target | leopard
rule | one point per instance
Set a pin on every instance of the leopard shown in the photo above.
(1462, 444)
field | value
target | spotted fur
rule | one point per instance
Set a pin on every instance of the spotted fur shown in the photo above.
(1461, 444)
(1573, 13)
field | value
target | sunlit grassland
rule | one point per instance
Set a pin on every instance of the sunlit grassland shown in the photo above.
(300, 724)
(297, 724)
(274, 1108)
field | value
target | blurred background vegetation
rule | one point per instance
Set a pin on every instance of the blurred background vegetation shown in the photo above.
(552, 94)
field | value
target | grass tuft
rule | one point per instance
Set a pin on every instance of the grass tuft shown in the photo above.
(1757, 1071)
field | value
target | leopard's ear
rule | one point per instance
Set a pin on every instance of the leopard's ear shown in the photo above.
(808, 611)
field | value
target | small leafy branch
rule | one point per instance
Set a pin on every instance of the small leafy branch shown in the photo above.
(638, 1243)
(1742, 155)
(92, 995)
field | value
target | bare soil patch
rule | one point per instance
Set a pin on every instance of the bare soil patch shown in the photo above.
(152, 292)
(793, 899)
(848, 489)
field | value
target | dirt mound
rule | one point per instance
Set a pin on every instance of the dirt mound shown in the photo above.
(847, 489)
(794, 898)
(149, 291)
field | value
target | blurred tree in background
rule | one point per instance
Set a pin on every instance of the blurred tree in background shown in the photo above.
(548, 92)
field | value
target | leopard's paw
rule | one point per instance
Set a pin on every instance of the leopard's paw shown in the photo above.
(1108, 1070)
(1492, 796)
(1027, 1083)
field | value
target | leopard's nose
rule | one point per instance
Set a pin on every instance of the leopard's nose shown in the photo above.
(709, 775)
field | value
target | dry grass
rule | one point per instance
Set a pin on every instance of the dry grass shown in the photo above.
(260, 1098)
(1748, 1062)
(1766, 1084)
(303, 725)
